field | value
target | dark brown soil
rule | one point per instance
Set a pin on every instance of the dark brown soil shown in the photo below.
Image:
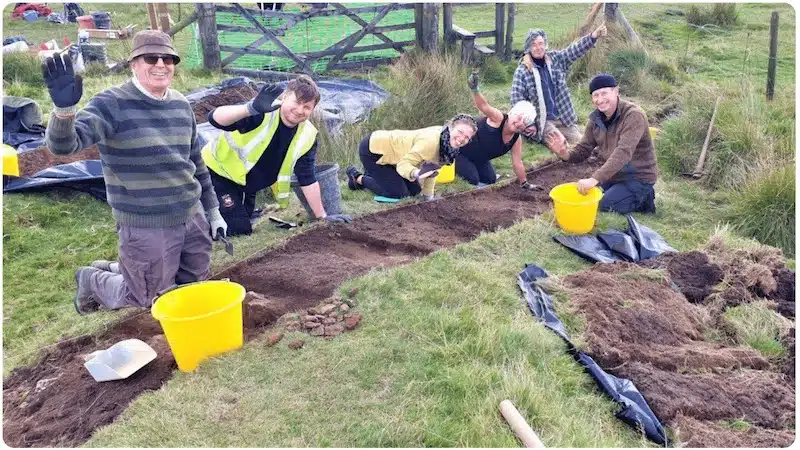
(228, 96)
(786, 364)
(638, 327)
(694, 433)
(33, 161)
(694, 275)
(301, 273)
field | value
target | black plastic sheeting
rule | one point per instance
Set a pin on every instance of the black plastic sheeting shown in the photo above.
(634, 409)
(637, 243)
(85, 176)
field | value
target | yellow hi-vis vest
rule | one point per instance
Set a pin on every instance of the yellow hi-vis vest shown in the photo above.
(232, 154)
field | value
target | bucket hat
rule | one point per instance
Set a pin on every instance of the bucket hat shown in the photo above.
(147, 42)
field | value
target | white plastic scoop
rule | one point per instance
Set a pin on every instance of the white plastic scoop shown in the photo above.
(120, 360)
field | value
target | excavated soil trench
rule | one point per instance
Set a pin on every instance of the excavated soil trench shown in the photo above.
(639, 326)
(68, 404)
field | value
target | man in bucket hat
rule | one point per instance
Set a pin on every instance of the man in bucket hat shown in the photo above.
(156, 181)
(541, 78)
(621, 133)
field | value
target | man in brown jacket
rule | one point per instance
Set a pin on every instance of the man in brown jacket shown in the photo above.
(621, 133)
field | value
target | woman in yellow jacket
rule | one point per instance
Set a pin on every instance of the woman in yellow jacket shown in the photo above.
(397, 161)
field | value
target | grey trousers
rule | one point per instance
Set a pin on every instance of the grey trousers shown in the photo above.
(153, 259)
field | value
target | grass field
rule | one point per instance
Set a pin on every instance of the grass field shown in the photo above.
(436, 353)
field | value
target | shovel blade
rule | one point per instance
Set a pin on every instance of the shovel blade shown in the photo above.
(229, 248)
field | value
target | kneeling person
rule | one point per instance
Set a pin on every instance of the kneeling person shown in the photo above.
(621, 133)
(263, 143)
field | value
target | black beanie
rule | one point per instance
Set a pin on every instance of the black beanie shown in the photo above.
(601, 81)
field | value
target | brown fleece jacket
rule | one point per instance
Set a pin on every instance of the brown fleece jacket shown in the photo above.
(625, 145)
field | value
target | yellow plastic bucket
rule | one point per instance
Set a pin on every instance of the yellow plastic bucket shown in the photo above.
(201, 320)
(447, 174)
(10, 161)
(575, 213)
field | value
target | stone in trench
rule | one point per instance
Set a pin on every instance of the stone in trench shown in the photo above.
(312, 311)
(352, 321)
(308, 318)
(274, 339)
(319, 331)
(259, 311)
(43, 383)
(292, 326)
(319, 317)
(333, 330)
(333, 313)
(296, 344)
(311, 325)
(329, 321)
(344, 307)
(326, 309)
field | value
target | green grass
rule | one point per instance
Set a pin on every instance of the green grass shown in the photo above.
(436, 352)
(759, 327)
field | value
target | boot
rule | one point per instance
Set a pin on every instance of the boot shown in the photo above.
(108, 266)
(85, 301)
(352, 176)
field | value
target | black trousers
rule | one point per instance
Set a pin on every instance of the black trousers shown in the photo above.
(235, 205)
(626, 197)
(475, 171)
(383, 179)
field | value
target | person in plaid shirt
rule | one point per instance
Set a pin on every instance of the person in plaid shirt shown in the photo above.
(541, 78)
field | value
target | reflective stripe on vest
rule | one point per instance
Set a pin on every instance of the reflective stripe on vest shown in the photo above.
(233, 154)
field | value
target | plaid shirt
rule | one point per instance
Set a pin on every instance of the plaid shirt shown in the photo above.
(523, 87)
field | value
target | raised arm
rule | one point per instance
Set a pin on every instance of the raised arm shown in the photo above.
(494, 115)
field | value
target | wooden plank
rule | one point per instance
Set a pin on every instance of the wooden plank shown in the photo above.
(162, 12)
(462, 33)
(447, 24)
(363, 23)
(398, 27)
(314, 12)
(238, 51)
(467, 46)
(359, 35)
(207, 25)
(365, 63)
(151, 14)
(300, 63)
(499, 27)
(258, 12)
(418, 22)
(430, 27)
(484, 49)
(512, 11)
(484, 34)
(262, 74)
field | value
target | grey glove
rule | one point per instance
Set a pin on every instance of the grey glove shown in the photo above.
(530, 186)
(427, 169)
(216, 221)
(262, 103)
(337, 218)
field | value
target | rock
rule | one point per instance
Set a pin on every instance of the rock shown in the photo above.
(43, 383)
(352, 292)
(326, 309)
(333, 313)
(319, 317)
(259, 311)
(311, 325)
(333, 330)
(309, 318)
(274, 339)
(344, 307)
(292, 326)
(251, 295)
(319, 331)
(313, 311)
(352, 321)
(296, 344)
(329, 321)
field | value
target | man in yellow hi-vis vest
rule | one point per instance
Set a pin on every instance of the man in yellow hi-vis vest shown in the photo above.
(263, 142)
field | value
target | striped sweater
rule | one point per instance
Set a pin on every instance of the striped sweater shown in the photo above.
(150, 153)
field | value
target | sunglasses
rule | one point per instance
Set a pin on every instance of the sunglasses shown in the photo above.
(168, 59)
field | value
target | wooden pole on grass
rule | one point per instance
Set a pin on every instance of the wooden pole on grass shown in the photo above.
(698, 169)
(773, 53)
(447, 24)
(207, 25)
(520, 427)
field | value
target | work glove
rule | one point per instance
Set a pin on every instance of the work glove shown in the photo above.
(64, 86)
(530, 186)
(262, 102)
(337, 218)
(473, 80)
(427, 169)
(216, 221)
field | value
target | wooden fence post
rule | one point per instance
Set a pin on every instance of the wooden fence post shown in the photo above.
(430, 27)
(773, 53)
(207, 24)
(512, 9)
(467, 48)
(447, 24)
(499, 29)
(162, 12)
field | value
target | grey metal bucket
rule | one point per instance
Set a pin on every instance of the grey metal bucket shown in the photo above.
(328, 179)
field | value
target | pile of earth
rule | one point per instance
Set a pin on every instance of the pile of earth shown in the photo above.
(33, 161)
(227, 96)
(72, 405)
(638, 325)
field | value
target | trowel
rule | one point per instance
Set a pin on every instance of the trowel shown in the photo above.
(228, 245)
(119, 361)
